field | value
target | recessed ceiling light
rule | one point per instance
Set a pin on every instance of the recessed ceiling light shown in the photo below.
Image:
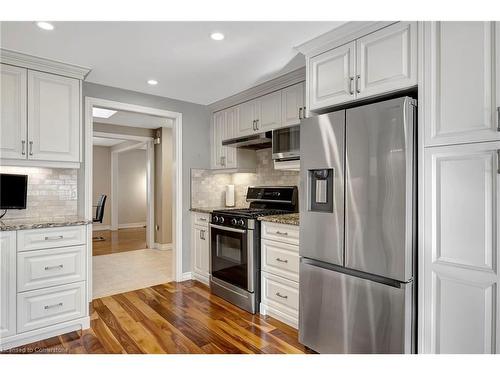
(217, 36)
(45, 25)
(152, 82)
(102, 112)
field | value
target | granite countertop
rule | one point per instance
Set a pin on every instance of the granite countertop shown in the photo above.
(35, 223)
(290, 219)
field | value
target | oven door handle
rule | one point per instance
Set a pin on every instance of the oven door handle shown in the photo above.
(229, 229)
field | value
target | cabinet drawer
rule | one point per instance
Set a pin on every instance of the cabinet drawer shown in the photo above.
(201, 219)
(46, 238)
(280, 232)
(45, 307)
(281, 259)
(44, 268)
(280, 293)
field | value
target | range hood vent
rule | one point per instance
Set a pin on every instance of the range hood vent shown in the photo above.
(251, 142)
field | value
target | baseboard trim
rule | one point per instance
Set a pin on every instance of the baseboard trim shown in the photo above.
(201, 278)
(131, 225)
(99, 227)
(187, 276)
(162, 246)
(44, 333)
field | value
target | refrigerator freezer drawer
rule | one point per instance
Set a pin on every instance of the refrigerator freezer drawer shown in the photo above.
(340, 313)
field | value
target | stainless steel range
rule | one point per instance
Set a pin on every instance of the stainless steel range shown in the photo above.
(235, 244)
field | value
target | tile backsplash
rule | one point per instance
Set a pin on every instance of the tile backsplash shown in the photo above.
(208, 187)
(52, 193)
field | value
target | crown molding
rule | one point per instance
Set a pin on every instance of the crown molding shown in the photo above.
(42, 64)
(289, 79)
(340, 35)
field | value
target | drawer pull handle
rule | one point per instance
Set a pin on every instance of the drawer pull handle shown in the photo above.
(47, 268)
(281, 295)
(282, 260)
(54, 238)
(202, 219)
(53, 306)
(282, 233)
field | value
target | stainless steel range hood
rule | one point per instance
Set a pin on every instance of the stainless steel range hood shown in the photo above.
(251, 142)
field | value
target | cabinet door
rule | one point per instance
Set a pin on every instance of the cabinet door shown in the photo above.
(13, 112)
(269, 112)
(461, 292)
(232, 117)
(292, 105)
(7, 284)
(461, 79)
(331, 76)
(53, 117)
(201, 251)
(247, 118)
(217, 130)
(386, 60)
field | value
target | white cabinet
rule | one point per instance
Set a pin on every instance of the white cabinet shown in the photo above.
(7, 284)
(461, 249)
(13, 106)
(268, 112)
(331, 77)
(40, 118)
(259, 115)
(386, 60)
(200, 246)
(225, 126)
(248, 113)
(463, 80)
(292, 104)
(280, 272)
(53, 117)
(217, 148)
(43, 289)
(377, 63)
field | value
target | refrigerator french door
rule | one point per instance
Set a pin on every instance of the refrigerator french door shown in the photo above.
(358, 229)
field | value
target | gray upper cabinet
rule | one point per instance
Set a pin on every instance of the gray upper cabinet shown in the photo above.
(462, 79)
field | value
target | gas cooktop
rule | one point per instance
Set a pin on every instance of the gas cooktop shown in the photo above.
(252, 213)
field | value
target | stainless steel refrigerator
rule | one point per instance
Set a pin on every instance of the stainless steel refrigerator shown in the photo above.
(357, 229)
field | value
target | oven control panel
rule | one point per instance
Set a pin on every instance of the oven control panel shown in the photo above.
(230, 221)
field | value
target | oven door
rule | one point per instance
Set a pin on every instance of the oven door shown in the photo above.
(230, 260)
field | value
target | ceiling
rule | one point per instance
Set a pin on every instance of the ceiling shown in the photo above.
(180, 55)
(110, 142)
(106, 142)
(136, 120)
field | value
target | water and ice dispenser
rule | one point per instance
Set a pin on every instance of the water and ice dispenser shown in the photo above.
(321, 190)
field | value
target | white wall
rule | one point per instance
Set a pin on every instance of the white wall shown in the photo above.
(101, 183)
(195, 141)
(132, 187)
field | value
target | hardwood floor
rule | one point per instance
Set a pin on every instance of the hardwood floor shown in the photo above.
(172, 318)
(118, 241)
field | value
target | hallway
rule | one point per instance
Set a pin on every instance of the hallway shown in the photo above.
(119, 241)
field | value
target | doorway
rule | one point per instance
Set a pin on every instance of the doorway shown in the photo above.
(173, 122)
